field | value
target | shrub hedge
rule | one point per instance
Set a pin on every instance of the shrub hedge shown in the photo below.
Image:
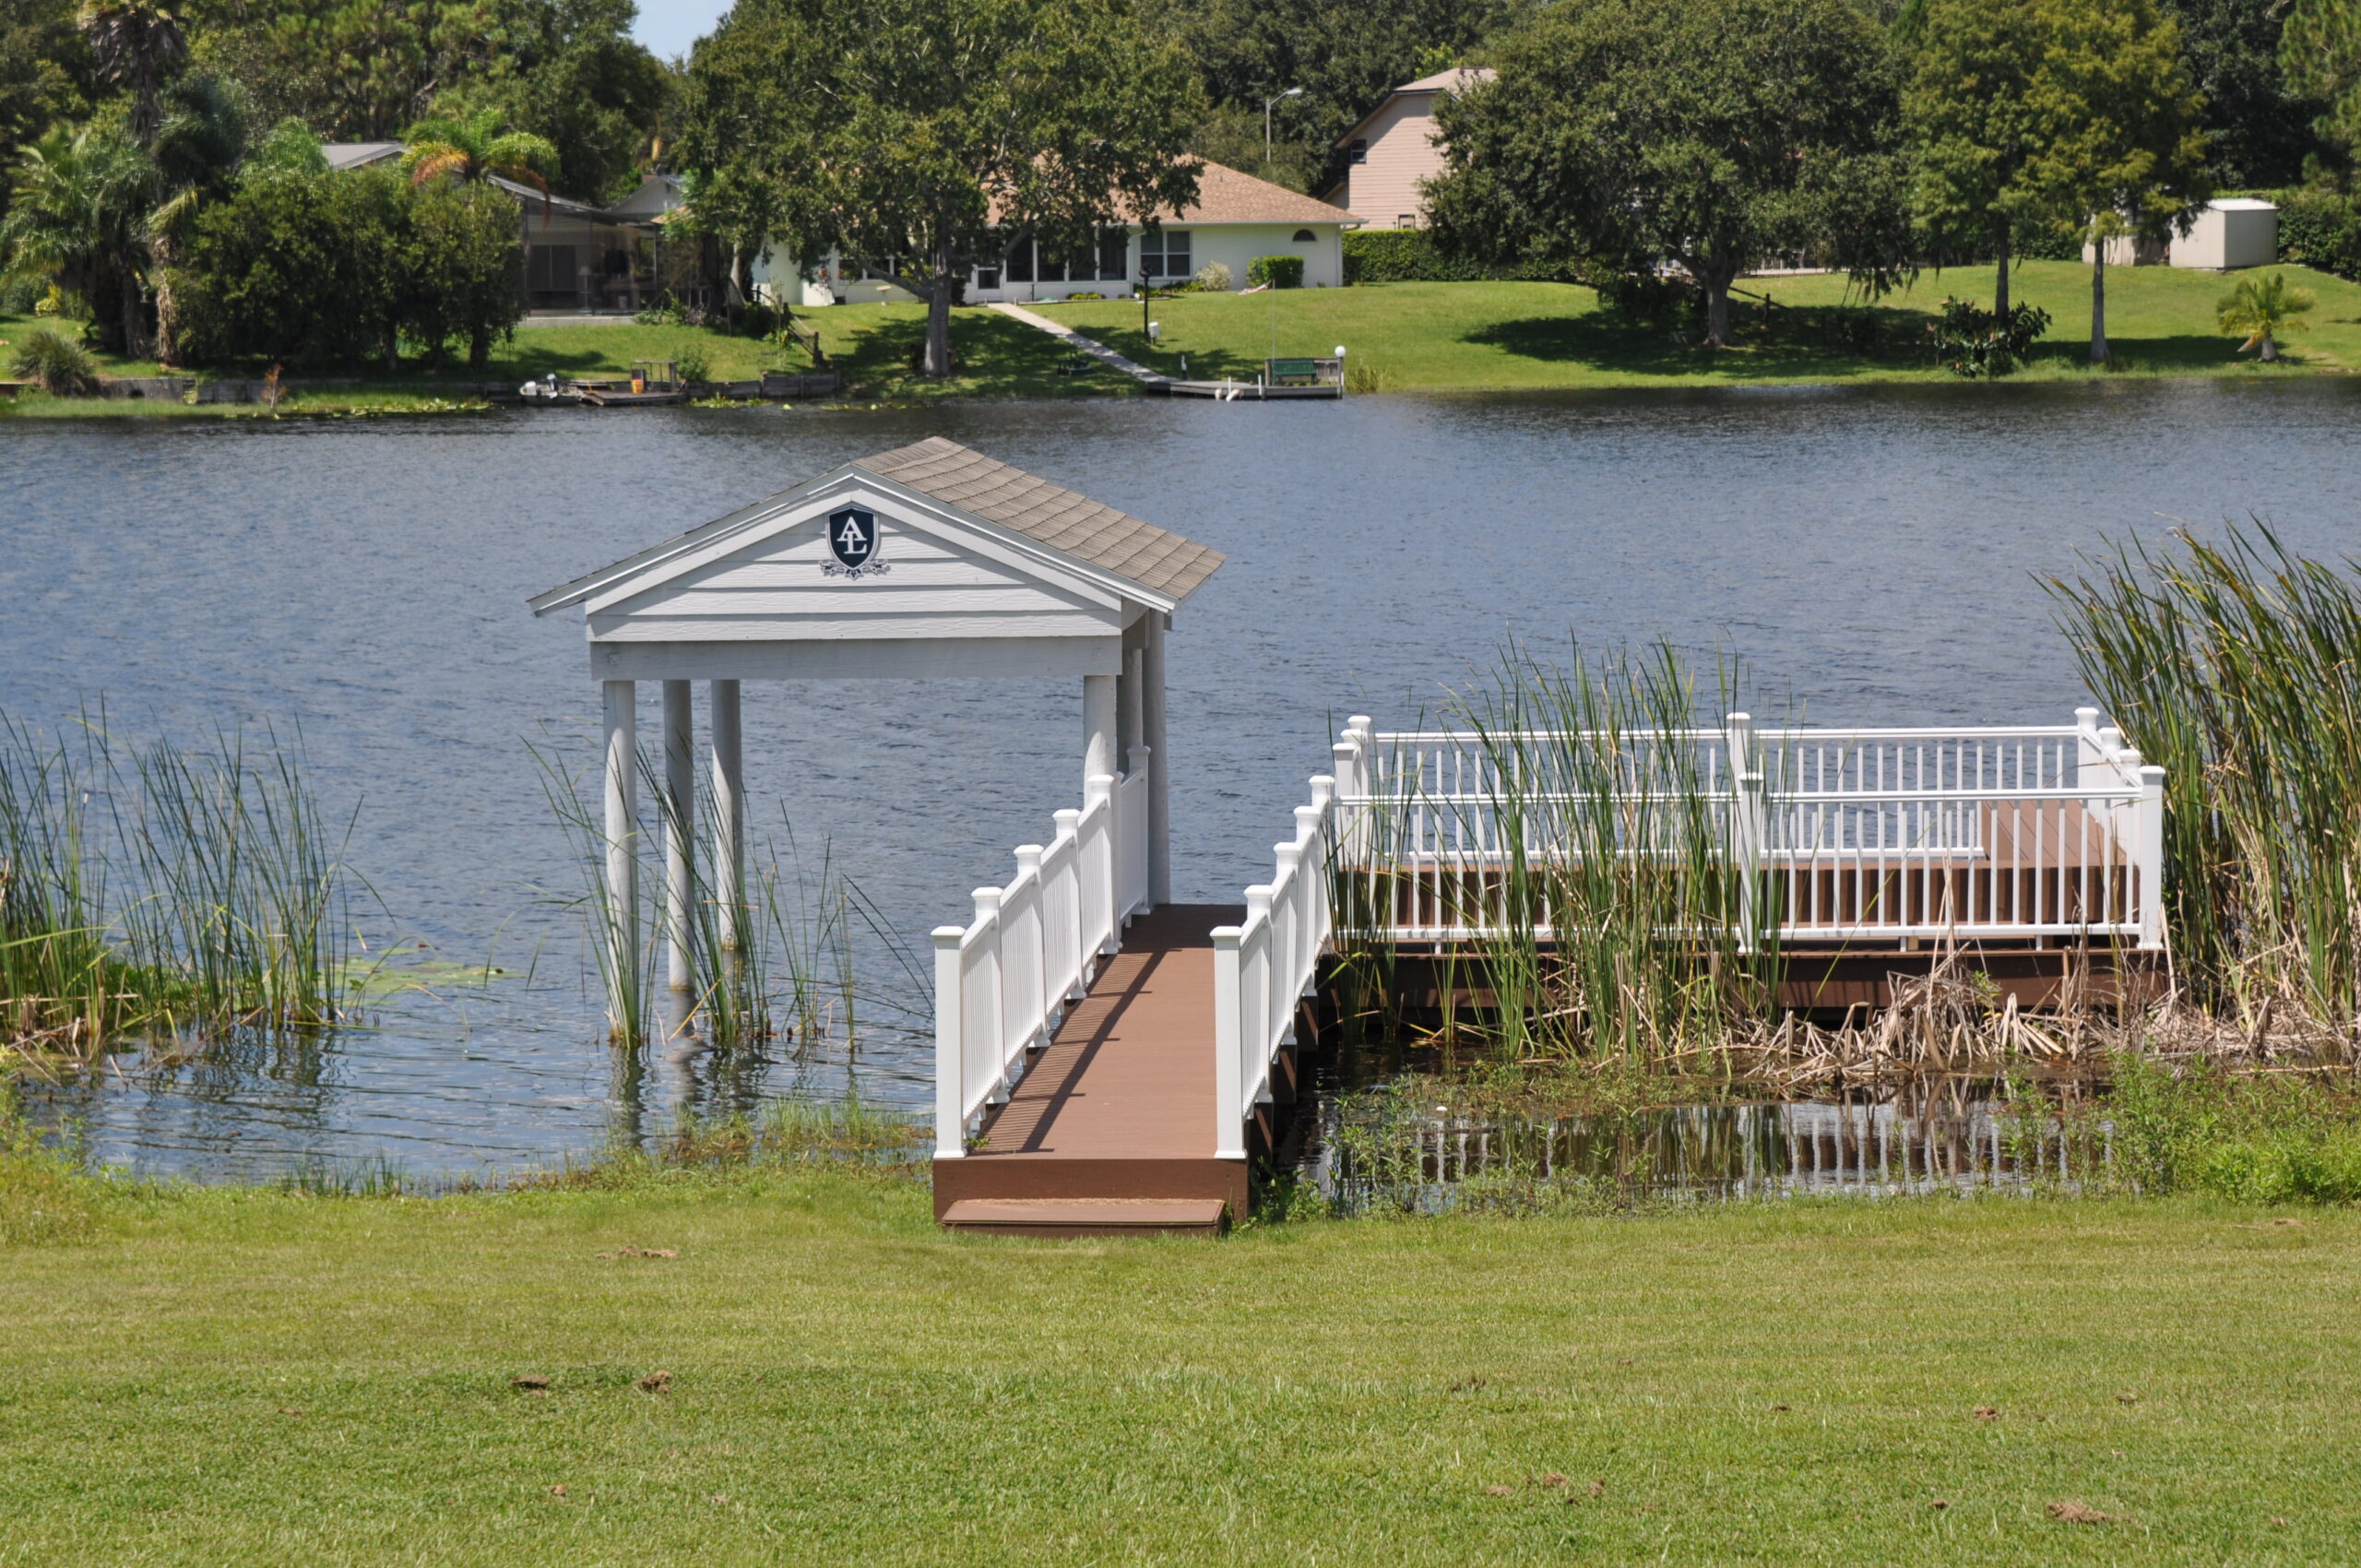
(2320, 228)
(1277, 271)
(1410, 256)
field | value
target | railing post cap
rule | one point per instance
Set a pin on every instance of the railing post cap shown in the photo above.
(1226, 937)
(2152, 773)
(949, 935)
(2086, 716)
(1741, 718)
(1030, 851)
(987, 899)
(1360, 721)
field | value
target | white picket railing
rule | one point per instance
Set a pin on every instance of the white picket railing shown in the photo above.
(2025, 831)
(1003, 982)
(1263, 969)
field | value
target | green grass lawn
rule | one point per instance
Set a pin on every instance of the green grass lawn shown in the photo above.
(871, 344)
(1422, 336)
(1414, 337)
(242, 1376)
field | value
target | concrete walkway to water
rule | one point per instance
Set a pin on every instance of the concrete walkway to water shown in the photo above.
(1080, 344)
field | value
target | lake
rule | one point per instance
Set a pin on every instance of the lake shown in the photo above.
(1871, 553)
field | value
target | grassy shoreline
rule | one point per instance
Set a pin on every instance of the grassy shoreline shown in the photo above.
(1411, 337)
(241, 1374)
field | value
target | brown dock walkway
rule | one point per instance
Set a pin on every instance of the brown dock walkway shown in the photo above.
(1112, 1126)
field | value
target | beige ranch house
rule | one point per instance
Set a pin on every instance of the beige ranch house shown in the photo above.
(1235, 219)
(1394, 150)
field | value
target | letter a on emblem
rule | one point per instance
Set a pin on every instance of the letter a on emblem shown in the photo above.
(852, 536)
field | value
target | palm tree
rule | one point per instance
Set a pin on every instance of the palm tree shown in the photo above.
(198, 151)
(80, 216)
(2261, 309)
(475, 148)
(138, 44)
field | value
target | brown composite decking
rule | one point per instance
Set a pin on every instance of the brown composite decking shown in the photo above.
(1120, 1106)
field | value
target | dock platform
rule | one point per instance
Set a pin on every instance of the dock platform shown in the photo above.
(1112, 1127)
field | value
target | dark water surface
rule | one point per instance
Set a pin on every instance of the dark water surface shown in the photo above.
(1871, 552)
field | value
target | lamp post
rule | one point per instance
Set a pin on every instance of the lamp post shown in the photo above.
(1291, 92)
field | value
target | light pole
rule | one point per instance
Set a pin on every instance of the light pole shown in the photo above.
(1291, 92)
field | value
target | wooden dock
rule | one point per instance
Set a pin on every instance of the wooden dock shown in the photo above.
(1112, 1127)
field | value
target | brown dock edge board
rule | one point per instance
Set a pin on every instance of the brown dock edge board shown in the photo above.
(1064, 1218)
(1821, 983)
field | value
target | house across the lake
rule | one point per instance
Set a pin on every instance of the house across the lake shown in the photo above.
(581, 259)
(1235, 219)
(1394, 149)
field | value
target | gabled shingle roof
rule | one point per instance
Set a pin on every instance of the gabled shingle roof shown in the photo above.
(1089, 530)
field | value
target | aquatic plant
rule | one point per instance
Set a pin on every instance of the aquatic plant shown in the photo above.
(1577, 847)
(180, 895)
(2237, 667)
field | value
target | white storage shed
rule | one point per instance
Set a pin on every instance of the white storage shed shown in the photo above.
(2233, 232)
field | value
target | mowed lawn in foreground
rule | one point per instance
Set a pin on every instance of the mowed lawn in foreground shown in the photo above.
(1470, 337)
(235, 1376)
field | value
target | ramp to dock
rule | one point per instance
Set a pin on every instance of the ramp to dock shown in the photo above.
(1112, 1127)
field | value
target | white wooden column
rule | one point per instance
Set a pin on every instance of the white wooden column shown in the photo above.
(679, 828)
(1097, 726)
(621, 767)
(729, 810)
(1159, 767)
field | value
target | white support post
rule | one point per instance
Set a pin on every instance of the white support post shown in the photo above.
(679, 823)
(2087, 749)
(621, 769)
(728, 811)
(1230, 1090)
(1097, 726)
(1255, 1014)
(1159, 769)
(1091, 790)
(950, 1064)
(2151, 843)
(995, 1019)
(1749, 825)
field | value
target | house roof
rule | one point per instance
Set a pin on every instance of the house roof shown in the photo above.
(1167, 568)
(1456, 79)
(1227, 196)
(359, 154)
(1090, 531)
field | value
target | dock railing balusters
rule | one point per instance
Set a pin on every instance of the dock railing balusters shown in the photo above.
(1003, 982)
(1263, 969)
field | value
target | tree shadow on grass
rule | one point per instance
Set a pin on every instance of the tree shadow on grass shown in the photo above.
(1808, 342)
(992, 356)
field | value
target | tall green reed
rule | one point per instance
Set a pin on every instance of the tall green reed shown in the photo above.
(2237, 667)
(163, 891)
(771, 947)
(1588, 855)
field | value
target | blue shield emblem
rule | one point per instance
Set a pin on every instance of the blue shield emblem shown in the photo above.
(852, 537)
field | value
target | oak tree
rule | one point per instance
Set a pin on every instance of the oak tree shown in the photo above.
(1705, 133)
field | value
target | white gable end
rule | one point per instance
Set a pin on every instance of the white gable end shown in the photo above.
(918, 583)
(934, 574)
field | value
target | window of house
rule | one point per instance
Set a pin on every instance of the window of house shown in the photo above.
(988, 277)
(1020, 260)
(878, 272)
(1303, 237)
(1359, 150)
(1164, 253)
(1048, 268)
(1114, 248)
(1405, 220)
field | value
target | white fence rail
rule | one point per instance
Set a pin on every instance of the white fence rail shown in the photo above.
(1003, 982)
(2006, 832)
(1263, 969)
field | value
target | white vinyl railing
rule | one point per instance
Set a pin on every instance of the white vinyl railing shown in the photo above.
(1264, 969)
(2002, 832)
(1003, 982)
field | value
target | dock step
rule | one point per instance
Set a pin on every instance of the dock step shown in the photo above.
(1087, 1216)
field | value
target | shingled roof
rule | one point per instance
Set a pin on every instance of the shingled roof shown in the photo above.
(1086, 529)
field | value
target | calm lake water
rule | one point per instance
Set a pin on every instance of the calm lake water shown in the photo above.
(1871, 553)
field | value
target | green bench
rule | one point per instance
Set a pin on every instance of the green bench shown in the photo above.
(1292, 373)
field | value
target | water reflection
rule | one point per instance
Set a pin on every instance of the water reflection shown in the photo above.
(1371, 1153)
